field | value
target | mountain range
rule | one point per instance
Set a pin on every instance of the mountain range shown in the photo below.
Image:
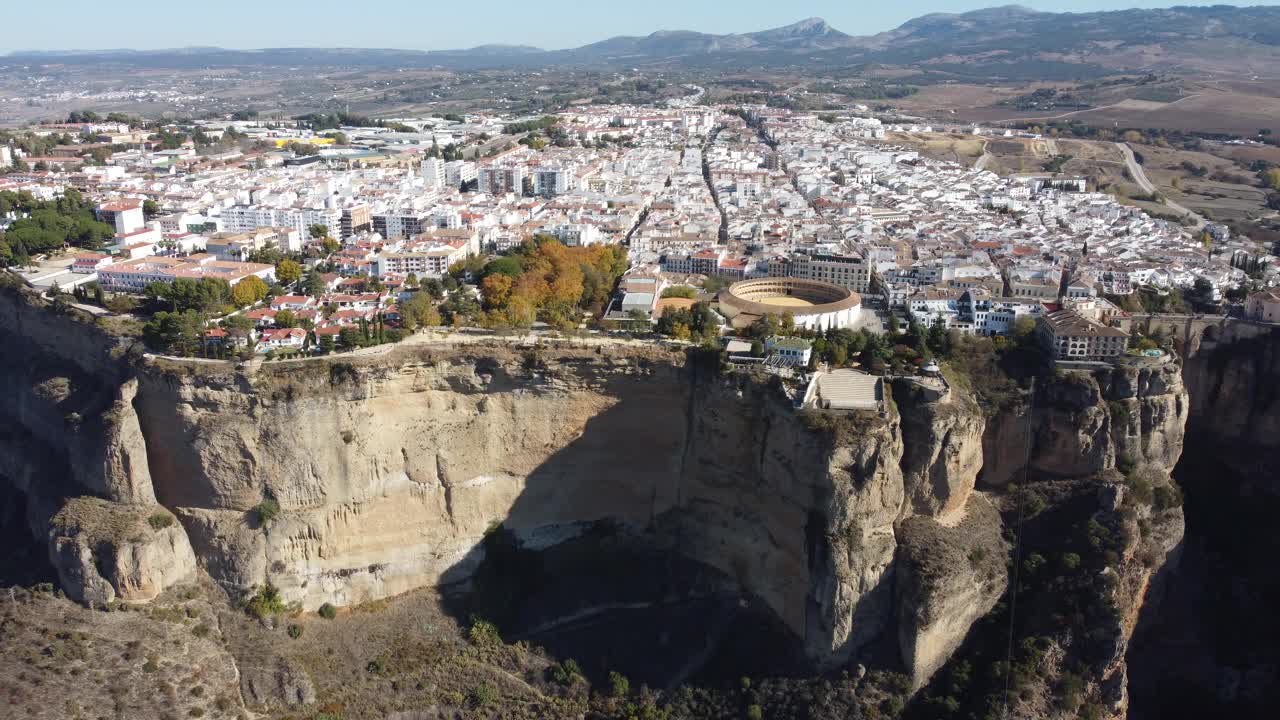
(1010, 40)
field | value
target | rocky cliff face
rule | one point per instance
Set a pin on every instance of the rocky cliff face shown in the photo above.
(1221, 596)
(1096, 452)
(389, 471)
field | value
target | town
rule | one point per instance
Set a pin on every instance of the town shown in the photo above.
(780, 229)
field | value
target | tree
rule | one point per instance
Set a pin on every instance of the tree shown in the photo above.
(238, 327)
(313, 284)
(330, 246)
(150, 208)
(496, 290)
(326, 344)
(286, 319)
(288, 272)
(317, 231)
(419, 311)
(639, 322)
(349, 337)
(249, 291)
(715, 284)
(179, 333)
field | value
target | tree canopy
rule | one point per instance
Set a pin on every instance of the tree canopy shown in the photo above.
(547, 278)
(53, 224)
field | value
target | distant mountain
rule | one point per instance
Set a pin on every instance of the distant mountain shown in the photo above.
(1003, 41)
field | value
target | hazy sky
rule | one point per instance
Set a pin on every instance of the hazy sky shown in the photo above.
(428, 25)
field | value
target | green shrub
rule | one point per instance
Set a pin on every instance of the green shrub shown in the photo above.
(482, 695)
(265, 602)
(328, 612)
(755, 712)
(266, 511)
(565, 673)
(151, 665)
(295, 631)
(1032, 503)
(1140, 490)
(619, 685)
(484, 633)
(160, 521)
(1168, 496)
(977, 555)
(1126, 464)
(1070, 688)
(201, 631)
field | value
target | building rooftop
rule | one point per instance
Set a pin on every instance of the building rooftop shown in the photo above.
(1068, 322)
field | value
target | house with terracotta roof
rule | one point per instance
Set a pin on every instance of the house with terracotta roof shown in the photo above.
(282, 339)
(1264, 306)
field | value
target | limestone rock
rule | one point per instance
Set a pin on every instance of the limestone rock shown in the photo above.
(105, 551)
(947, 578)
(280, 682)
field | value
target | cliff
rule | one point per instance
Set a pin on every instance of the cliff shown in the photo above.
(1222, 593)
(393, 470)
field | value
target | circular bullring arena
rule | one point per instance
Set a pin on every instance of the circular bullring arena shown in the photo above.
(814, 304)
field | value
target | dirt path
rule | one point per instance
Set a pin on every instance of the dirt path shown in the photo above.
(1041, 118)
(986, 158)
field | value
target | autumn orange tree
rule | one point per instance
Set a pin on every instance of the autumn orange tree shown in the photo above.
(547, 279)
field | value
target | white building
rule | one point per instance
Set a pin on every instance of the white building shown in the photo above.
(433, 173)
(551, 181)
(499, 180)
(125, 215)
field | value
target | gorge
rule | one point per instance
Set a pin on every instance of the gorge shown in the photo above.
(569, 490)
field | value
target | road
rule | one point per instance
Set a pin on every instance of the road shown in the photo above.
(1140, 177)
(986, 158)
(1042, 118)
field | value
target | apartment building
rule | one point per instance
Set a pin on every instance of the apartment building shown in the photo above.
(552, 181)
(133, 276)
(394, 225)
(498, 180)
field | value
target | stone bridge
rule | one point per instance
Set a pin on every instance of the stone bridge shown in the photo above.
(1187, 331)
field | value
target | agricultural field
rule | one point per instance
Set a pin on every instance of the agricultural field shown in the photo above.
(1214, 186)
(1237, 107)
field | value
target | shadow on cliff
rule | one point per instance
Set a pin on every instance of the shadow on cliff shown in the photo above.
(1210, 648)
(593, 562)
(24, 559)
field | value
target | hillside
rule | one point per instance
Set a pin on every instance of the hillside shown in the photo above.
(1007, 41)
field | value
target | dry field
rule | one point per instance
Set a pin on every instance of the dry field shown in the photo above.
(953, 147)
(1224, 192)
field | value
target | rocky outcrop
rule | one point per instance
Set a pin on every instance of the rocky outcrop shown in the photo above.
(389, 473)
(72, 446)
(947, 578)
(106, 551)
(1102, 446)
(1082, 424)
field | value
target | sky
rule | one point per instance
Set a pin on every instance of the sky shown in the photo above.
(428, 25)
